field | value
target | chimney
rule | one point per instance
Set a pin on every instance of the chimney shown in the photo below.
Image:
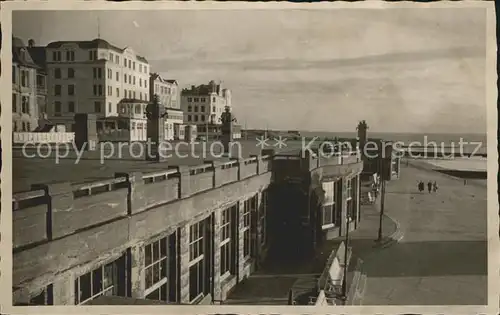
(31, 43)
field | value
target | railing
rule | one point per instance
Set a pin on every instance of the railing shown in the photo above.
(50, 211)
(43, 137)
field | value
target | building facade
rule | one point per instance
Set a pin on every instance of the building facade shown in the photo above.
(28, 88)
(167, 90)
(204, 103)
(93, 77)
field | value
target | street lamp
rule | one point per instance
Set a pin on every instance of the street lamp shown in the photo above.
(346, 257)
(382, 196)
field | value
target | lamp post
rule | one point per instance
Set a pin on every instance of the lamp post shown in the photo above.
(382, 197)
(346, 257)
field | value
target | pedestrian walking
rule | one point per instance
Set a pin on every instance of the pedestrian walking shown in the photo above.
(429, 186)
(421, 186)
(435, 187)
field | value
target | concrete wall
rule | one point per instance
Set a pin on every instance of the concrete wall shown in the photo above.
(63, 230)
(43, 137)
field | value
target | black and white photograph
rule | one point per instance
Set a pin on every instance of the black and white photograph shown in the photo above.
(275, 155)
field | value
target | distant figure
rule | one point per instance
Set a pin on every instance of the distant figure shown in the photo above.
(421, 186)
(465, 182)
(435, 187)
(429, 187)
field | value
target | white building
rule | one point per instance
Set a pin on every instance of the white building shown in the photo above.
(204, 103)
(28, 88)
(167, 90)
(94, 77)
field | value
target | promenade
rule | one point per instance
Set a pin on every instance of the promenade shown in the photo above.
(442, 258)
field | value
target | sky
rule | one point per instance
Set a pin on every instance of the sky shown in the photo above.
(401, 70)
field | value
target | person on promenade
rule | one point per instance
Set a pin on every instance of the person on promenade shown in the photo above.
(429, 186)
(421, 186)
(435, 187)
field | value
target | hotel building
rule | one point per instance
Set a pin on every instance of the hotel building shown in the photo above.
(99, 78)
(168, 94)
(28, 88)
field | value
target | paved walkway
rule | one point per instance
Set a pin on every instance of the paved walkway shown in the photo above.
(442, 258)
(272, 284)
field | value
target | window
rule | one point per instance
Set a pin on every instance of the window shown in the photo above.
(202, 117)
(133, 65)
(125, 62)
(202, 109)
(71, 107)
(262, 217)
(100, 89)
(133, 80)
(189, 108)
(70, 55)
(145, 83)
(110, 74)
(329, 205)
(117, 59)
(130, 64)
(145, 69)
(140, 82)
(226, 252)
(25, 104)
(101, 281)
(140, 96)
(214, 99)
(249, 206)
(71, 89)
(57, 108)
(91, 55)
(351, 198)
(57, 73)
(129, 79)
(125, 93)
(196, 108)
(138, 109)
(155, 271)
(213, 109)
(117, 76)
(189, 117)
(71, 73)
(118, 92)
(196, 261)
(56, 56)
(202, 100)
(140, 67)
(97, 107)
(57, 90)
(110, 108)
(195, 117)
(14, 76)
(110, 91)
(190, 99)
(46, 297)
(25, 78)
(196, 99)
(14, 103)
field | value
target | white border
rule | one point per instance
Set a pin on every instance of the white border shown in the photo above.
(6, 188)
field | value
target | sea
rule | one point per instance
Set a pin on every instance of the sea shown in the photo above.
(470, 140)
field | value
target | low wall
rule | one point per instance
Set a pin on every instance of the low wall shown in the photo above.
(43, 137)
(56, 226)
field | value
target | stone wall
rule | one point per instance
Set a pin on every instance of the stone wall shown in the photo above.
(63, 230)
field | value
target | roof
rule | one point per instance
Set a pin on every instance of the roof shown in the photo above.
(202, 89)
(21, 55)
(38, 55)
(158, 77)
(96, 43)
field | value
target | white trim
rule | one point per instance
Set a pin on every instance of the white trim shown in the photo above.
(155, 286)
(224, 242)
(225, 275)
(327, 226)
(96, 295)
(196, 260)
(197, 298)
